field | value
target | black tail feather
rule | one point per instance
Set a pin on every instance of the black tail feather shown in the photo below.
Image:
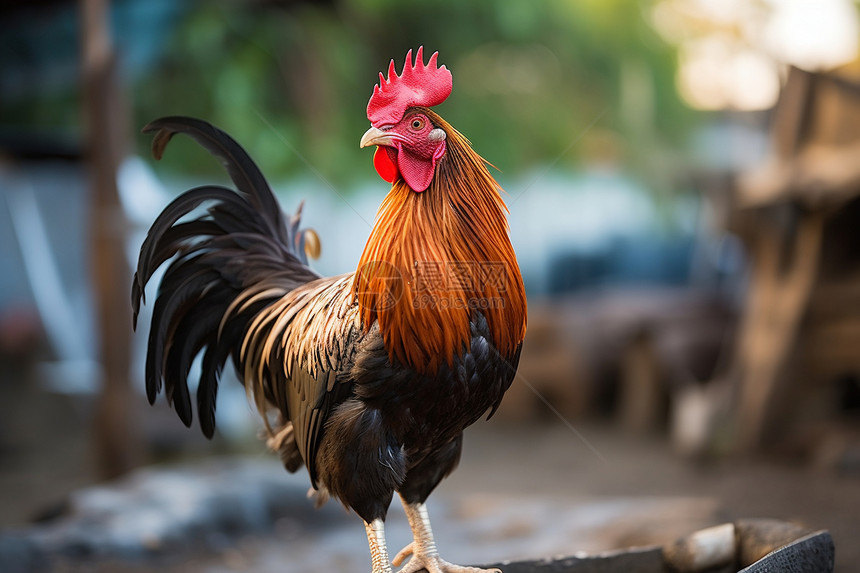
(241, 239)
(242, 170)
(166, 246)
(207, 390)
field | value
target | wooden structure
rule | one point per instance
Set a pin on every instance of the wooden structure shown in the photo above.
(799, 216)
(116, 439)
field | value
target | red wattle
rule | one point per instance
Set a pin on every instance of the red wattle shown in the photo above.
(383, 164)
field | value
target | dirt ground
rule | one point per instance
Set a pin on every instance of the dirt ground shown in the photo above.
(520, 492)
(554, 463)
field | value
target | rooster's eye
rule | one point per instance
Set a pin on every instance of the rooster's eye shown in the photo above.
(417, 124)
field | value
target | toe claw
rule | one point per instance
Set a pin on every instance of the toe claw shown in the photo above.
(403, 554)
(433, 564)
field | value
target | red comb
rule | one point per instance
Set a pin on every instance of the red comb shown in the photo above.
(416, 85)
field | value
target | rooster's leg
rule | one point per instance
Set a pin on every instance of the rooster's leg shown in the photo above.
(423, 547)
(378, 550)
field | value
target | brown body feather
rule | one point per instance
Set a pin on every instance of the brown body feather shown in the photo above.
(435, 257)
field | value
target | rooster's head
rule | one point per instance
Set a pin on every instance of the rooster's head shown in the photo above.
(408, 143)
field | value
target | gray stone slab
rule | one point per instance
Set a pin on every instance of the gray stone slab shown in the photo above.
(636, 560)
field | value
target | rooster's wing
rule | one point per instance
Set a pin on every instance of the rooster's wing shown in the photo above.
(299, 354)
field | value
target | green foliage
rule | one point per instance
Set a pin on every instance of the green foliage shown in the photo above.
(534, 82)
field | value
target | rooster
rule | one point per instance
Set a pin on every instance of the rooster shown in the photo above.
(372, 376)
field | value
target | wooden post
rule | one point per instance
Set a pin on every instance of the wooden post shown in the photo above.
(776, 305)
(641, 392)
(116, 441)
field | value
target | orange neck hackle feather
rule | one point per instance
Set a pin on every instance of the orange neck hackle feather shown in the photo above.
(433, 258)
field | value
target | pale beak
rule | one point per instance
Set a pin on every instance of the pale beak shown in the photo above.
(374, 136)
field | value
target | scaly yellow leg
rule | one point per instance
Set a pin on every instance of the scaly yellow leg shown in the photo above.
(423, 547)
(378, 550)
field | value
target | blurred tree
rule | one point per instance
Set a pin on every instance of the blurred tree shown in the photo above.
(298, 74)
(291, 78)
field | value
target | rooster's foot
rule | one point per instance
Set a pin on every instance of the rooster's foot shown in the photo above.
(432, 563)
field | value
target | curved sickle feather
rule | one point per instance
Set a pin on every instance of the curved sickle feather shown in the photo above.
(240, 167)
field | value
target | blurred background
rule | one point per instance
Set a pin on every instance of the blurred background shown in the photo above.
(683, 178)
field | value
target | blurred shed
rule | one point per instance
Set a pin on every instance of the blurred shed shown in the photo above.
(796, 360)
